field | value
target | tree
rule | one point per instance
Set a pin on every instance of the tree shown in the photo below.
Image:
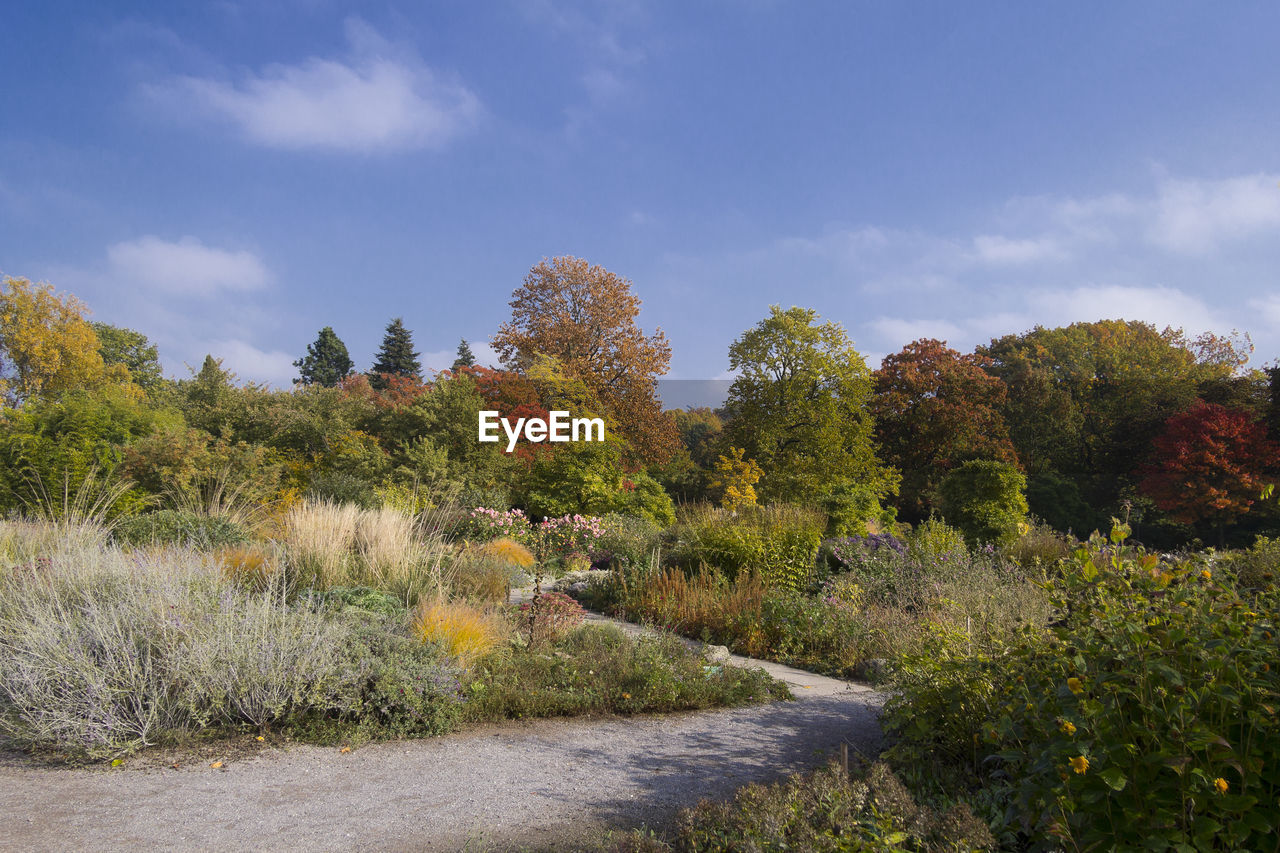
(1210, 465)
(466, 358)
(935, 409)
(46, 345)
(736, 478)
(799, 408)
(326, 363)
(585, 317)
(396, 358)
(132, 350)
(985, 499)
(1085, 401)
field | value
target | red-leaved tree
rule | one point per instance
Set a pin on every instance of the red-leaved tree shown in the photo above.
(1209, 464)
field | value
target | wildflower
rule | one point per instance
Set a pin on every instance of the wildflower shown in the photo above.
(1068, 727)
(1080, 764)
(1221, 785)
(1207, 575)
(1074, 685)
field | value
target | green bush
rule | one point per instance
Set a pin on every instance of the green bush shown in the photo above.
(778, 542)
(1258, 567)
(628, 540)
(178, 527)
(599, 669)
(1143, 718)
(985, 499)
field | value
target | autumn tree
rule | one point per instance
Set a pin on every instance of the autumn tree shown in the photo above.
(735, 479)
(1085, 401)
(799, 408)
(46, 345)
(396, 357)
(585, 316)
(934, 409)
(326, 363)
(1210, 465)
(133, 351)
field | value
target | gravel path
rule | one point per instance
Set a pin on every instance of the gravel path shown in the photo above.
(549, 784)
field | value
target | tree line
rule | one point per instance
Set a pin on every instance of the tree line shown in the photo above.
(1073, 424)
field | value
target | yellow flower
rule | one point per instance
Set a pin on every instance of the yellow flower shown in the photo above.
(1068, 727)
(1221, 785)
(1074, 685)
(1079, 764)
(1207, 575)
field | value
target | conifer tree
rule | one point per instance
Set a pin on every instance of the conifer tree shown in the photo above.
(396, 358)
(466, 358)
(327, 361)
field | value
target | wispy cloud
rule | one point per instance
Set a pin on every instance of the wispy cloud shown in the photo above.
(186, 266)
(1197, 217)
(378, 98)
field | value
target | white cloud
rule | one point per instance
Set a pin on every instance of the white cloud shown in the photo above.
(997, 249)
(896, 329)
(1269, 309)
(185, 267)
(377, 99)
(1159, 306)
(1196, 217)
(249, 362)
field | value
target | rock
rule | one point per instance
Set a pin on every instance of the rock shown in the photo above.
(716, 654)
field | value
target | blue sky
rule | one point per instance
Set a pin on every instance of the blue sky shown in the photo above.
(229, 177)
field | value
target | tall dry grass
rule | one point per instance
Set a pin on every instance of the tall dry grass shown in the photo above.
(330, 545)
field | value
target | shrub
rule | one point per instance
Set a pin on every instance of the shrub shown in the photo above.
(780, 542)
(1257, 568)
(1143, 718)
(568, 535)
(482, 524)
(360, 598)
(252, 568)
(625, 541)
(985, 499)
(466, 633)
(1039, 548)
(826, 810)
(549, 617)
(598, 669)
(178, 527)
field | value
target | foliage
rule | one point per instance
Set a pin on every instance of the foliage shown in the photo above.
(466, 358)
(986, 500)
(827, 810)
(327, 362)
(780, 542)
(1209, 464)
(484, 524)
(177, 527)
(52, 445)
(1144, 717)
(584, 316)
(735, 478)
(853, 509)
(466, 633)
(1258, 567)
(587, 477)
(548, 617)
(570, 534)
(799, 408)
(626, 540)
(935, 409)
(396, 357)
(46, 345)
(134, 351)
(599, 669)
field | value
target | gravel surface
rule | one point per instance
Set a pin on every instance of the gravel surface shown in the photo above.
(547, 784)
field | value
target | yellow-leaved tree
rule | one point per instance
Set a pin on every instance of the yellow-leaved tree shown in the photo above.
(46, 345)
(736, 478)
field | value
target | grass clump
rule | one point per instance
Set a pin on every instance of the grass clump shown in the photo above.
(599, 669)
(466, 632)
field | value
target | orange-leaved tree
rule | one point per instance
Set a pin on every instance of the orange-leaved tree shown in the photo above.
(1209, 465)
(585, 317)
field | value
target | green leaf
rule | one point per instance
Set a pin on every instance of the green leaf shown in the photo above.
(1114, 778)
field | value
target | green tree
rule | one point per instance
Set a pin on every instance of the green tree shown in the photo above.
(466, 358)
(985, 499)
(134, 351)
(326, 363)
(396, 357)
(799, 408)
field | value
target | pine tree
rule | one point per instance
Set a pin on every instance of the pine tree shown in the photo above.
(326, 363)
(396, 357)
(466, 358)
